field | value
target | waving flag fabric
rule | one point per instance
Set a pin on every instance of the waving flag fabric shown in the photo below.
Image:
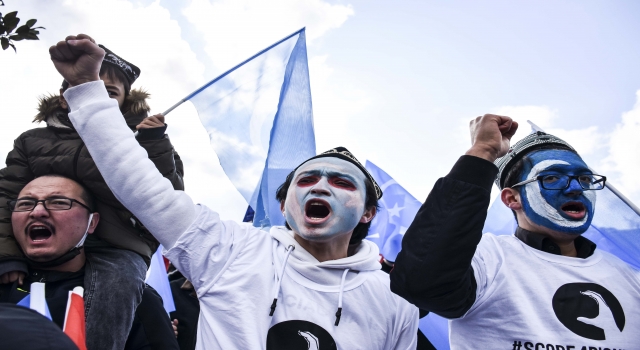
(74, 322)
(260, 122)
(398, 208)
(615, 227)
(158, 279)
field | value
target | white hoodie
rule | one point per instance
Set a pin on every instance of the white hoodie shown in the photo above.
(237, 269)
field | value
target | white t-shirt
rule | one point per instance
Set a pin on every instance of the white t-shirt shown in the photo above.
(528, 299)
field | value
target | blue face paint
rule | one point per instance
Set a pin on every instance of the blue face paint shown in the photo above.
(326, 198)
(569, 210)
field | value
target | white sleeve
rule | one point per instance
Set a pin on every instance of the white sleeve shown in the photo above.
(487, 262)
(209, 246)
(125, 165)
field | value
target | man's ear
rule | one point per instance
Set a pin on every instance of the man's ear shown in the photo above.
(368, 215)
(63, 102)
(94, 223)
(282, 207)
(511, 198)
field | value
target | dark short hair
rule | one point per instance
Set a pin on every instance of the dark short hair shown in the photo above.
(113, 73)
(86, 195)
(371, 201)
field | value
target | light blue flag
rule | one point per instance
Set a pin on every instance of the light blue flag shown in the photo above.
(260, 122)
(158, 279)
(398, 208)
(36, 300)
(615, 227)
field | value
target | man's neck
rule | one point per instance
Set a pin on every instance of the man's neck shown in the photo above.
(565, 242)
(334, 249)
(73, 265)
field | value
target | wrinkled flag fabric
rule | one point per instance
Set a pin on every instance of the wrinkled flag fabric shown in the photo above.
(397, 210)
(158, 279)
(259, 119)
(74, 321)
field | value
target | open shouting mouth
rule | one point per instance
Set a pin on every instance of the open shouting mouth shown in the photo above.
(574, 210)
(317, 211)
(39, 232)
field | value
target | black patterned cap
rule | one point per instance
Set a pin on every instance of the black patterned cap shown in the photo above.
(130, 70)
(344, 154)
(522, 147)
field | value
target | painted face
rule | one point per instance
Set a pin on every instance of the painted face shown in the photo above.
(569, 210)
(45, 235)
(325, 199)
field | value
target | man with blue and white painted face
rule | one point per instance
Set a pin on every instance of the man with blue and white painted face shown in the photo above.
(545, 286)
(554, 194)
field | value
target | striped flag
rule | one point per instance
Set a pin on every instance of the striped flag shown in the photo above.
(36, 301)
(74, 322)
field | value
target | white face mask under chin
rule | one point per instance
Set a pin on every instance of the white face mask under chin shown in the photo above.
(86, 232)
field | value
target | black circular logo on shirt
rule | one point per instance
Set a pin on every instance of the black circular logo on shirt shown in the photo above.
(588, 310)
(299, 335)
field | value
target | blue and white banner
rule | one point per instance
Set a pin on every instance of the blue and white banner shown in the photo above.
(260, 122)
(397, 210)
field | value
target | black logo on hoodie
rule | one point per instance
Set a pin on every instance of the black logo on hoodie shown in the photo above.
(588, 310)
(299, 335)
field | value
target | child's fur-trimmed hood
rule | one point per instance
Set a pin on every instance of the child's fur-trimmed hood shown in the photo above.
(134, 109)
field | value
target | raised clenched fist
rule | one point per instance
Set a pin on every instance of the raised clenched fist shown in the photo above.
(490, 136)
(78, 59)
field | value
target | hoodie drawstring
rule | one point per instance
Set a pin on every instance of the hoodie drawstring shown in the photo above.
(278, 282)
(339, 312)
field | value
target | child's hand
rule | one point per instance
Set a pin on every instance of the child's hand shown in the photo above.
(174, 324)
(11, 277)
(155, 121)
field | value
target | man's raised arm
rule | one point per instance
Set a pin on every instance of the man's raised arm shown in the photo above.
(125, 165)
(433, 270)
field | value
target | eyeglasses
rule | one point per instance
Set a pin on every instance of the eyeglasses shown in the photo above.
(58, 203)
(590, 182)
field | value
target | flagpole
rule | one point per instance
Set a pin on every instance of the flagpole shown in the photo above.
(198, 90)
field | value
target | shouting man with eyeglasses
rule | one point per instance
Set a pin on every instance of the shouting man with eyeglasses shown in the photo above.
(51, 219)
(546, 286)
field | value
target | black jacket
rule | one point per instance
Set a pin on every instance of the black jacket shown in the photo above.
(433, 271)
(25, 329)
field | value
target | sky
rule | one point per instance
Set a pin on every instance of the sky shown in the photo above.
(396, 82)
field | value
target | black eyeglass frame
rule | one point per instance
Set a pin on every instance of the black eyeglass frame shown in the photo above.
(12, 204)
(571, 178)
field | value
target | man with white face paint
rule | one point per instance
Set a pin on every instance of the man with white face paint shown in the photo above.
(317, 285)
(545, 287)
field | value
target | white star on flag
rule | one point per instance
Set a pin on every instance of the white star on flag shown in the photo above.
(395, 211)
